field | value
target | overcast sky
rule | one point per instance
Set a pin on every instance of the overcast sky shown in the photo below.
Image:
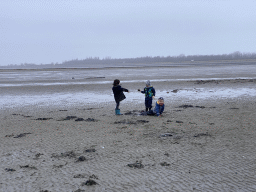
(45, 31)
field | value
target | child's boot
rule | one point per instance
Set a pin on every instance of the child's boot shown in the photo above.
(118, 112)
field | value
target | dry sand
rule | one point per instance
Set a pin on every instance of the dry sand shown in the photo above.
(198, 145)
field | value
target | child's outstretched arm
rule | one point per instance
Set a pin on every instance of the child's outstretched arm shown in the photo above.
(141, 91)
(123, 89)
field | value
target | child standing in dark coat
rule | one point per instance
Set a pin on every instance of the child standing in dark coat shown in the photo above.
(149, 95)
(118, 94)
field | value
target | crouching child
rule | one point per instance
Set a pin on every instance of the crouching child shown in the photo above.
(159, 108)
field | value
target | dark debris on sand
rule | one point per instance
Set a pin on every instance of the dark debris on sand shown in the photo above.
(28, 167)
(43, 119)
(137, 165)
(81, 158)
(89, 150)
(167, 154)
(59, 166)
(129, 113)
(70, 154)
(185, 106)
(21, 135)
(190, 106)
(91, 120)
(68, 118)
(202, 134)
(164, 164)
(89, 182)
(9, 135)
(79, 190)
(9, 170)
(125, 121)
(93, 177)
(136, 113)
(80, 176)
(88, 119)
(142, 121)
(79, 119)
(166, 135)
(22, 115)
(37, 156)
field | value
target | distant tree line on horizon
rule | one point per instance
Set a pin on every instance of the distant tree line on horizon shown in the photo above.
(139, 60)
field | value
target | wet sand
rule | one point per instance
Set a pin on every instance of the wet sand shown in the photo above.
(198, 145)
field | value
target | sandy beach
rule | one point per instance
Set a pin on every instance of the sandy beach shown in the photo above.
(205, 140)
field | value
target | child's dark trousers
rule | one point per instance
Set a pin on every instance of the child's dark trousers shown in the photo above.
(148, 103)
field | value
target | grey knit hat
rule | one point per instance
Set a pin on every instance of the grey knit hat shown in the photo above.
(148, 82)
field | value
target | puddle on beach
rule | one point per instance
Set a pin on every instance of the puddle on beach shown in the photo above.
(81, 98)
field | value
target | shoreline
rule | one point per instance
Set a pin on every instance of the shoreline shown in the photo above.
(85, 94)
